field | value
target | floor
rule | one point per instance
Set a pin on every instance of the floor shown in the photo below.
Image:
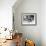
(9, 43)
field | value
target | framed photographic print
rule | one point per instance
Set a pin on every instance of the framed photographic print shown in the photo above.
(29, 19)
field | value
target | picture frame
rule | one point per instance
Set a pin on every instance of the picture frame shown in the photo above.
(29, 19)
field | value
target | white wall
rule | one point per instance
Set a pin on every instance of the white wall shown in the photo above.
(6, 13)
(38, 32)
(43, 22)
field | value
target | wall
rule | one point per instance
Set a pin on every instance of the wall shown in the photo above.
(6, 13)
(6, 16)
(35, 33)
(43, 22)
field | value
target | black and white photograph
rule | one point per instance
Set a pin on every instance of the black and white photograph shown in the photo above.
(29, 19)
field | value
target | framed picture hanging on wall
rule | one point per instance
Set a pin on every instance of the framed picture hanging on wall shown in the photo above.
(29, 19)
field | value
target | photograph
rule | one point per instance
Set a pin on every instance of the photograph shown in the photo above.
(29, 19)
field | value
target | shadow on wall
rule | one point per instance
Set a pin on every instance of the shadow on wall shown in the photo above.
(27, 8)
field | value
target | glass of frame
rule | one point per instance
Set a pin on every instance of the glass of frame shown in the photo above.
(29, 19)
